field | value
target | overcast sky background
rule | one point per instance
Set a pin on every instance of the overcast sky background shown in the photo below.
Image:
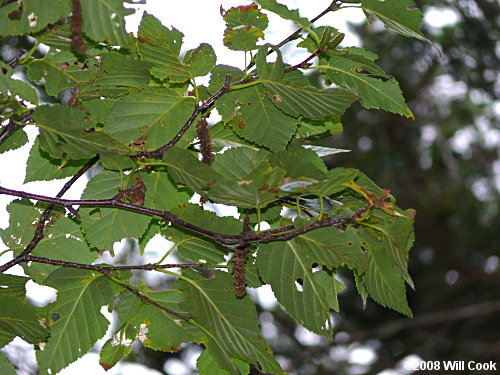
(200, 21)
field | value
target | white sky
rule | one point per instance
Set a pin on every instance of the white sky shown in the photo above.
(200, 21)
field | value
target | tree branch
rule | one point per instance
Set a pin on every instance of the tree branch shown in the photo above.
(230, 240)
(45, 216)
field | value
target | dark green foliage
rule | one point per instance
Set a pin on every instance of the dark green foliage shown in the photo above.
(135, 108)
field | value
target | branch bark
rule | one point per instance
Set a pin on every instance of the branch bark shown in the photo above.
(231, 240)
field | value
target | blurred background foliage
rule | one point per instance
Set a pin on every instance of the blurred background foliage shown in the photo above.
(446, 165)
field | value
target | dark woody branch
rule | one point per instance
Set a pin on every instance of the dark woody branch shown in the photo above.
(230, 240)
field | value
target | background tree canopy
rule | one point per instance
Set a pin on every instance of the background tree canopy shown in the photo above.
(445, 164)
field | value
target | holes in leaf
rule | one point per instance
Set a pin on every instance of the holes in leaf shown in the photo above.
(55, 317)
(299, 285)
(316, 267)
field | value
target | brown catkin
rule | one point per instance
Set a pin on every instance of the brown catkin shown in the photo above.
(240, 280)
(203, 133)
(76, 28)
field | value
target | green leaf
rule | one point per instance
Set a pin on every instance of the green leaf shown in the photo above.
(162, 330)
(373, 92)
(58, 37)
(238, 162)
(208, 365)
(242, 39)
(6, 367)
(384, 280)
(104, 226)
(254, 117)
(285, 265)
(223, 136)
(152, 230)
(307, 101)
(113, 351)
(42, 167)
(60, 72)
(396, 235)
(229, 322)
(245, 25)
(334, 248)
(265, 70)
(399, 15)
(283, 11)
(14, 86)
(22, 216)
(189, 246)
(103, 20)
(18, 318)
(245, 15)
(99, 109)
(117, 75)
(300, 162)
(156, 328)
(161, 47)
(64, 135)
(14, 286)
(186, 169)
(63, 239)
(158, 112)
(337, 177)
(256, 189)
(81, 294)
(161, 191)
(200, 61)
(331, 286)
(29, 16)
(218, 77)
(17, 139)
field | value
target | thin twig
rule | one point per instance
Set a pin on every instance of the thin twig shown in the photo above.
(145, 298)
(17, 58)
(295, 34)
(158, 153)
(100, 268)
(305, 63)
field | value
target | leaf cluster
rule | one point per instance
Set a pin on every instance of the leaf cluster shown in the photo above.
(132, 103)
